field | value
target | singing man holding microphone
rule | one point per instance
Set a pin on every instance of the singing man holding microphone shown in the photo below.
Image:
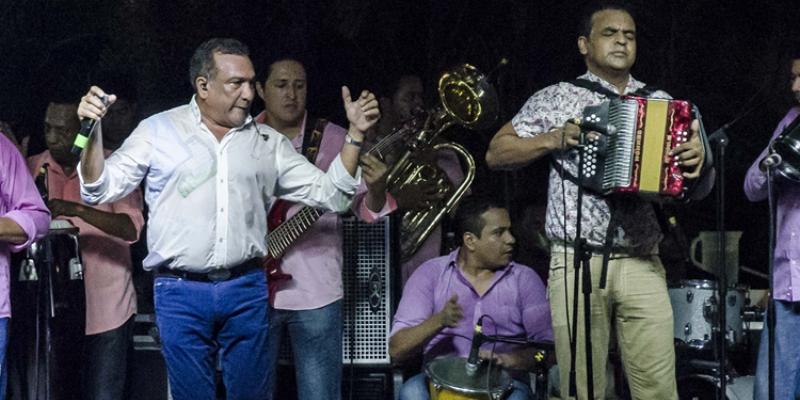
(210, 172)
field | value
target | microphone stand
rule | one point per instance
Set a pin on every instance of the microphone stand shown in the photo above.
(771, 299)
(540, 357)
(581, 262)
(720, 138)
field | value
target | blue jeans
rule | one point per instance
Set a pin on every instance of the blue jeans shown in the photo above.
(316, 341)
(3, 363)
(416, 388)
(197, 319)
(787, 354)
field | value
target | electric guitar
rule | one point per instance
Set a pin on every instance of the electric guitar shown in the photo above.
(283, 233)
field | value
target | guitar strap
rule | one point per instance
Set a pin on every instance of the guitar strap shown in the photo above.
(312, 139)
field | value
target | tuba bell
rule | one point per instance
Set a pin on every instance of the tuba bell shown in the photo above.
(467, 99)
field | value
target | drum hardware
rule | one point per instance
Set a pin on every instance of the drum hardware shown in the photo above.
(52, 326)
(27, 270)
(75, 265)
(702, 387)
(695, 308)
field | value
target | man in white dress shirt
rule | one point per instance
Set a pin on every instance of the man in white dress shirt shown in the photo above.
(210, 172)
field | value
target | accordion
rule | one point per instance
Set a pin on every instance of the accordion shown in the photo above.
(632, 152)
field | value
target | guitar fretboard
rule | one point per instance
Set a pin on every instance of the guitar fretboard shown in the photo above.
(286, 233)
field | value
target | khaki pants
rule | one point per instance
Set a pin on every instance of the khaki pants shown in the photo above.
(636, 302)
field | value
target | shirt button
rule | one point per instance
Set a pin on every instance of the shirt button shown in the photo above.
(220, 240)
(221, 210)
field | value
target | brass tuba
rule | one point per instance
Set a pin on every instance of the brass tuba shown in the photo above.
(467, 99)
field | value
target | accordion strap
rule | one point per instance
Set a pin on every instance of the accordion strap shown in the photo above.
(596, 87)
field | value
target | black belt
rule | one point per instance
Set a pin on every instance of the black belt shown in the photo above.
(216, 275)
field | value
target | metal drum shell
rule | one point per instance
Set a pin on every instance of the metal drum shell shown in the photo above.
(448, 380)
(692, 323)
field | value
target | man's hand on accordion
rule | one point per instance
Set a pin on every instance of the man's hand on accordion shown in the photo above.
(568, 136)
(691, 154)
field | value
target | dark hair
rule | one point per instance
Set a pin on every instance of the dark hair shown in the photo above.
(387, 84)
(468, 215)
(267, 59)
(202, 63)
(585, 27)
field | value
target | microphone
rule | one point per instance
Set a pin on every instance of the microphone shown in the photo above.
(772, 160)
(477, 339)
(87, 127)
(590, 124)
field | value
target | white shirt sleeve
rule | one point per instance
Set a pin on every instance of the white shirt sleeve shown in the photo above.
(123, 170)
(299, 180)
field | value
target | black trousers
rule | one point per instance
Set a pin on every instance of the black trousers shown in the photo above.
(108, 356)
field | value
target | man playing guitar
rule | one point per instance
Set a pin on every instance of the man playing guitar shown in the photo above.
(308, 245)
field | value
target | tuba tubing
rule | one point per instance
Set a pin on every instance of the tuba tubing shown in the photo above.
(467, 99)
(417, 225)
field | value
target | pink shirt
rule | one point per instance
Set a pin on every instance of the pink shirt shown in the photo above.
(315, 259)
(20, 202)
(110, 296)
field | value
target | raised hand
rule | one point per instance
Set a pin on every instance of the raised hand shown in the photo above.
(362, 113)
(95, 103)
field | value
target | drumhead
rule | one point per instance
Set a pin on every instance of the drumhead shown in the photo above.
(450, 373)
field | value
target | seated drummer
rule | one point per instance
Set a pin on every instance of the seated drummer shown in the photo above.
(444, 298)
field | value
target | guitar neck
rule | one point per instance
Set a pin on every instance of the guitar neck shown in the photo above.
(282, 237)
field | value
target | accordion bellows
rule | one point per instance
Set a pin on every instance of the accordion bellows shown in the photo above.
(632, 153)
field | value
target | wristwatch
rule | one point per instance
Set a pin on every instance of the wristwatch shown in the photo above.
(349, 140)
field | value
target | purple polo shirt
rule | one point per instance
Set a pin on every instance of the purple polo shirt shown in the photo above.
(786, 277)
(20, 202)
(516, 301)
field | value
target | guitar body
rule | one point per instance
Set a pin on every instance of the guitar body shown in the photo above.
(272, 266)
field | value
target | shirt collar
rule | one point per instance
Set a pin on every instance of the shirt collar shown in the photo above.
(198, 117)
(632, 86)
(452, 262)
(53, 165)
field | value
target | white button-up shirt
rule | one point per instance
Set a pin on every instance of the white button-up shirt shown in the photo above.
(208, 199)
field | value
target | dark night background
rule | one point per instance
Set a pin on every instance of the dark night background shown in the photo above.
(730, 58)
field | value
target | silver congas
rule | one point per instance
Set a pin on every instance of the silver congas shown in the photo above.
(448, 380)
